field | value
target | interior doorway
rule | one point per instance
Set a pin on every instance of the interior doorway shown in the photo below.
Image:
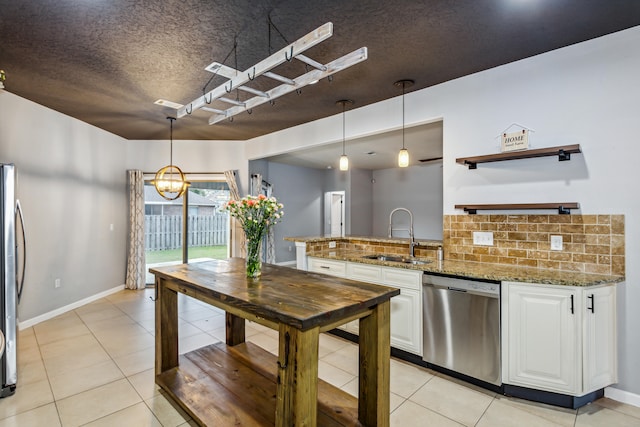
(334, 213)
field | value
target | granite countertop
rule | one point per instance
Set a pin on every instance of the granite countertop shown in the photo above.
(372, 239)
(480, 270)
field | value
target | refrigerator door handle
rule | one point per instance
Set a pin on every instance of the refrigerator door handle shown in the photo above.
(20, 286)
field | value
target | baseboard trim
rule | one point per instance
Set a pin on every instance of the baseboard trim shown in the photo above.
(622, 396)
(58, 311)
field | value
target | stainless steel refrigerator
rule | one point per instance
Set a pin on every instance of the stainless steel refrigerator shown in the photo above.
(12, 258)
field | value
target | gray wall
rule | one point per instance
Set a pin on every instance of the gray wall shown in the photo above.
(361, 202)
(72, 186)
(367, 203)
(300, 190)
(417, 188)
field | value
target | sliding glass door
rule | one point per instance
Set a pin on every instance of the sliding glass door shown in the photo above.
(176, 232)
(207, 222)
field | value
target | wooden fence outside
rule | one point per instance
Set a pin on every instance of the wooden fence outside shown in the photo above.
(162, 232)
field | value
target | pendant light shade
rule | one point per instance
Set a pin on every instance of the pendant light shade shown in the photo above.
(344, 163)
(170, 182)
(344, 160)
(403, 158)
(403, 155)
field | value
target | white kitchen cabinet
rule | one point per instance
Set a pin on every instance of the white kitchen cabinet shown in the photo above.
(327, 266)
(600, 343)
(406, 321)
(364, 272)
(552, 341)
(406, 308)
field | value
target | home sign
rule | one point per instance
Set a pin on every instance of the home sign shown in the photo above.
(515, 141)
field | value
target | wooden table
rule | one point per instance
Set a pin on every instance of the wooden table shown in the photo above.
(238, 383)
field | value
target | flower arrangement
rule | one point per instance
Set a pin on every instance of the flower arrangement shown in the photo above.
(256, 214)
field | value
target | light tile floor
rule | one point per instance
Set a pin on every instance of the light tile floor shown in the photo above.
(94, 367)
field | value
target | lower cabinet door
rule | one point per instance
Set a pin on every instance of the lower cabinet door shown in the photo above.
(544, 339)
(600, 344)
(406, 322)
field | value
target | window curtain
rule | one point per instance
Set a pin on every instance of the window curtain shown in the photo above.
(236, 241)
(136, 275)
(258, 186)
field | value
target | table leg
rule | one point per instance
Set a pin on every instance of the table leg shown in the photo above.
(375, 352)
(297, 388)
(235, 329)
(166, 327)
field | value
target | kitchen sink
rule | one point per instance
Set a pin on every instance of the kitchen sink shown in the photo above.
(396, 258)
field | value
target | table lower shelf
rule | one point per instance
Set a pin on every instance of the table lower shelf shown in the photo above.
(220, 385)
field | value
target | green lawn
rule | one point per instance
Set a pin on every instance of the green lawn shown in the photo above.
(217, 252)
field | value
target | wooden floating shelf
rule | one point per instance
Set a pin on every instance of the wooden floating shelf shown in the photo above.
(562, 208)
(563, 152)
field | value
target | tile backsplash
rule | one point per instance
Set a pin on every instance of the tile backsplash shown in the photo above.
(369, 246)
(591, 243)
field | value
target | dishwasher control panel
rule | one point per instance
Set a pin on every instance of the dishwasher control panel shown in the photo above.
(486, 287)
(461, 284)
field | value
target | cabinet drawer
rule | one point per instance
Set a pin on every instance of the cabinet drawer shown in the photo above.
(364, 272)
(328, 266)
(410, 279)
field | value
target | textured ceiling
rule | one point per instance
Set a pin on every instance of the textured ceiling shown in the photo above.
(106, 61)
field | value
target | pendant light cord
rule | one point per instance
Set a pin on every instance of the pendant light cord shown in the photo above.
(403, 84)
(343, 128)
(171, 119)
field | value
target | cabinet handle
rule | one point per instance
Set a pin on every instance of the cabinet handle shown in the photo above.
(571, 304)
(325, 267)
(592, 308)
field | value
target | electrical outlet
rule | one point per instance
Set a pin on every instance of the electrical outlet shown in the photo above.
(56, 283)
(556, 243)
(483, 238)
(332, 245)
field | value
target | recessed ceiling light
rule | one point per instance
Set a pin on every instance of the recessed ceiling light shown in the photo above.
(169, 104)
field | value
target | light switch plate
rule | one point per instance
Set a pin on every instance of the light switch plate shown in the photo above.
(556, 243)
(483, 238)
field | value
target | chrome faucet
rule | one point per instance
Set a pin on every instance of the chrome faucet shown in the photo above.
(412, 241)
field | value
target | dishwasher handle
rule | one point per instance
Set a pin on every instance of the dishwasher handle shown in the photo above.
(445, 287)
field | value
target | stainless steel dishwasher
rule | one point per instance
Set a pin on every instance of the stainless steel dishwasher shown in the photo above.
(461, 328)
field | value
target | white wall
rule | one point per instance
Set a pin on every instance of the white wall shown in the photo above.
(71, 184)
(191, 156)
(585, 93)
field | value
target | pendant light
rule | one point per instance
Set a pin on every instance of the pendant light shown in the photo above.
(170, 181)
(344, 160)
(403, 155)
